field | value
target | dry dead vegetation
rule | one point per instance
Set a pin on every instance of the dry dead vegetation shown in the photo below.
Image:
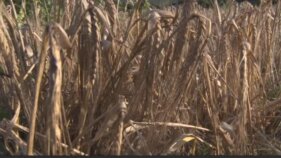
(99, 81)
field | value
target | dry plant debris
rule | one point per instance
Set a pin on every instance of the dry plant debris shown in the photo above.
(95, 80)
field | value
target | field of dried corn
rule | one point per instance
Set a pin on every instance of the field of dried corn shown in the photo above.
(95, 80)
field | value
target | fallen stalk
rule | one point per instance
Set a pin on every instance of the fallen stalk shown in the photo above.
(169, 124)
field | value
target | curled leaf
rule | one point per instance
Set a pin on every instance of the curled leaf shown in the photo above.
(62, 37)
